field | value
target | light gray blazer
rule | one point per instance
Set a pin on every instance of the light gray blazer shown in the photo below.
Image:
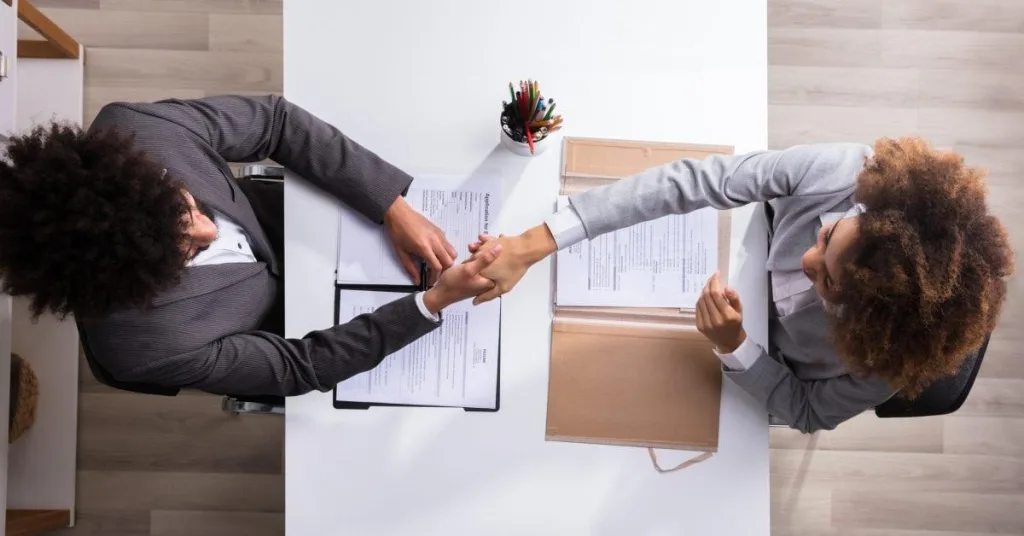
(205, 332)
(798, 378)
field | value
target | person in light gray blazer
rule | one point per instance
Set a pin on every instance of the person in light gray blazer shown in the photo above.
(886, 267)
(174, 269)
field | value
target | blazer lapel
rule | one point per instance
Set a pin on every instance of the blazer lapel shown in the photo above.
(231, 202)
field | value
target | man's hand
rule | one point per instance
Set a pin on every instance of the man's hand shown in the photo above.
(415, 237)
(720, 316)
(461, 281)
(520, 253)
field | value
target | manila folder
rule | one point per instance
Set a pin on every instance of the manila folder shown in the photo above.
(633, 385)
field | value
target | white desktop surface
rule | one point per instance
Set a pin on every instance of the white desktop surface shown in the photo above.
(421, 84)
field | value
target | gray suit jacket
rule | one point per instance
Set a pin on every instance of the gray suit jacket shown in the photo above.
(800, 379)
(203, 333)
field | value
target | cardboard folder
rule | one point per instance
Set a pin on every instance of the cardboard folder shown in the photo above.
(640, 377)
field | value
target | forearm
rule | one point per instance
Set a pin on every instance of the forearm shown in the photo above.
(720, 182)
(680, 187)
(806, 405)
(321, 154)
(246, 129)
(261, 363)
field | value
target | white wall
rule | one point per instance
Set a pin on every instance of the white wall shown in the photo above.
(42, 463)
(9, 47)
(8, 93)
(49, 89)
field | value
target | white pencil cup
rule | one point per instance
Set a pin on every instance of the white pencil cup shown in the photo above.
(523, 149)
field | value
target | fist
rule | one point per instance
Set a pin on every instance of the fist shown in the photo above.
(720, 316)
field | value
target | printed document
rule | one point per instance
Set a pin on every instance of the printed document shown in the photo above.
(455, 365)
(659, 263)
(462, 207)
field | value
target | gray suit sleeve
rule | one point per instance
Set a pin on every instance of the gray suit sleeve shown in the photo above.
(259, 362)
(250, 129)
(721, 182)
(812, 405)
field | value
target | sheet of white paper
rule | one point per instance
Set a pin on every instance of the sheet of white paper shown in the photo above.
(659, 263)
(455, 365)
(462, 207)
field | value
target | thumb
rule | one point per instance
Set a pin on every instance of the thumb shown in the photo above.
(734, 299)
(482, 260)
(487, 296)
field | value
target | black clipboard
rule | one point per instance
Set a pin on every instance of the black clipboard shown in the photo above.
(338, 287)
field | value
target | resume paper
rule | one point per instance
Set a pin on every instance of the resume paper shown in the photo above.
(659, 263)
(455, 365)
(462, 207)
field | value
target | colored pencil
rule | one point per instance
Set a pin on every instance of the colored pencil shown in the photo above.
(529, 117)
(551, 110)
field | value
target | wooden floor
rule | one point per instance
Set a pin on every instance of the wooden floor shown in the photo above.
(850, 70)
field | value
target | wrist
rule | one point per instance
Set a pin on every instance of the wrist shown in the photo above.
(397, 206)
(538, 242)
(732, 346)
(435, 299)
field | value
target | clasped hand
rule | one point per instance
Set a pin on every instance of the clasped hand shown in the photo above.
(415, 237)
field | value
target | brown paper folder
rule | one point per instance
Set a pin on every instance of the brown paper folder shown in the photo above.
(632, 376)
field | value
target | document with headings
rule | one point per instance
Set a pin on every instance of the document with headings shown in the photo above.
(455, 365)
(659, 263)
(462, 207)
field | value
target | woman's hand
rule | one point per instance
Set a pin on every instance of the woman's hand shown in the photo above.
(461, 281)
(414, 236)
(520, 253)
(720, 316)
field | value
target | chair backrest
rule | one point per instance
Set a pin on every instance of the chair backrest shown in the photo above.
(261, 172)
(106, 378)
(942, 397)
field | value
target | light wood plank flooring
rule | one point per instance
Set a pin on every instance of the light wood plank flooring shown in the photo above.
(949, 70)
(849, 70)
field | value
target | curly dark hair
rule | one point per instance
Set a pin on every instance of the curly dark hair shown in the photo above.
(925, 279)
(89, 225)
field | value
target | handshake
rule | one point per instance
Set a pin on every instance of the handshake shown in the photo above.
(495, 266)
(498, 263)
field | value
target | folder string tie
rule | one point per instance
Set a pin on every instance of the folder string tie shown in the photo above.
(692, 461)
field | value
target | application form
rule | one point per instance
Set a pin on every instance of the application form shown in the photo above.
(455, 365)
(659, 263)
(462, 207)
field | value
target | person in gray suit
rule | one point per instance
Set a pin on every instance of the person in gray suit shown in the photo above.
(174, 270)
(886, 267)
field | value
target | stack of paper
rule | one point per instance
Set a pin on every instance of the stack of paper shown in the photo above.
(659, 263)
(455, 365)
(462, 207)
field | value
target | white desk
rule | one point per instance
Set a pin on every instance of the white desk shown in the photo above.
(421, 84)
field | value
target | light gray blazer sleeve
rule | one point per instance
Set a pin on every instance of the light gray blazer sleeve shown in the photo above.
(722, 182)
(812, 405)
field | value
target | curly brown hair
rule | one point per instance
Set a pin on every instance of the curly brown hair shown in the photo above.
(925, 279)
(89, 225)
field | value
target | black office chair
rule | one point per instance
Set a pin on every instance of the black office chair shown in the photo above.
(233, 404)
(942, 397)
